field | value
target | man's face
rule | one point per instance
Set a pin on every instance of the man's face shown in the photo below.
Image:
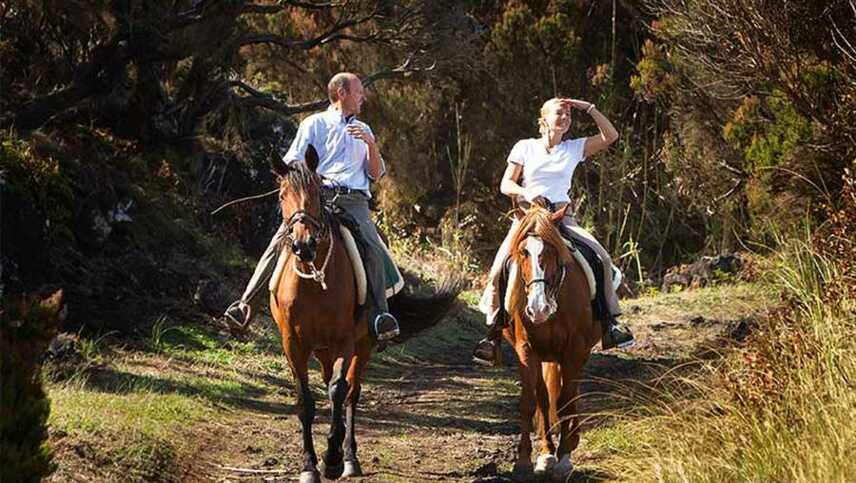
(352, 100)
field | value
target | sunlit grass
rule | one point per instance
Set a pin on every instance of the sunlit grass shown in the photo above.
(781, 408)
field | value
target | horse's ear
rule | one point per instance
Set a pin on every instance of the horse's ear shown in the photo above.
(557, 215)
(279, 167)
(311, 157)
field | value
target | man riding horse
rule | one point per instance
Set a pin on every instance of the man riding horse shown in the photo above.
(348, 160)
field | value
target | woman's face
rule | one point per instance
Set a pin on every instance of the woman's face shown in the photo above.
(558, 118)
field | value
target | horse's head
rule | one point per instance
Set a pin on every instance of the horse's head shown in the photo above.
(540, 256)
(300, 199)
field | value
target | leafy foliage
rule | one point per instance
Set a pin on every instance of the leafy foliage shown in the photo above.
(26, 329)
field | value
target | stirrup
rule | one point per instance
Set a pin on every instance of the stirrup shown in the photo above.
(232, 321)
(386, 334)
(489, 357)
(609, 342)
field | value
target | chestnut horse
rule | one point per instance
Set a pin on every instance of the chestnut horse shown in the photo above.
(315, 307)
(552, 332)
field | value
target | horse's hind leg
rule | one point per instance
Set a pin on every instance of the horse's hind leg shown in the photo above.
(361, 358)
(569, 425)
(298, 360)
(338, 391)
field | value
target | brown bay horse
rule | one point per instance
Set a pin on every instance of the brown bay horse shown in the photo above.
(318, 315)
(552, 333)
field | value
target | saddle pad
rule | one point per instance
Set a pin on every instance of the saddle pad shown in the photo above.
(394, 279)
(584, 264)
(357, 261)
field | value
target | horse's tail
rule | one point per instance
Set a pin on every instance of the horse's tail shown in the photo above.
(416, 313)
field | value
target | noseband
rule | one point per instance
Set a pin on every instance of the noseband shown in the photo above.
(552, 289)
(302, 216)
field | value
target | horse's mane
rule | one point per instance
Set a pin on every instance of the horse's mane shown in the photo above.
(536, 221)
(298, 177)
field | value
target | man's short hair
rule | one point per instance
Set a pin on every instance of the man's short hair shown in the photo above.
(343, 80)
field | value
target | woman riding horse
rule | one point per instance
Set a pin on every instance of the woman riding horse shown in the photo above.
(541, 169)
(552, 332)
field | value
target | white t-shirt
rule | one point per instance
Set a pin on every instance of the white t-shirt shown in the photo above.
(548, 174)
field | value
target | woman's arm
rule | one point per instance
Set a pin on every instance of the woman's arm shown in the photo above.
(510, 185)
(608, 134)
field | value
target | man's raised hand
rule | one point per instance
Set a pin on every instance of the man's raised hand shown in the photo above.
(360, 133)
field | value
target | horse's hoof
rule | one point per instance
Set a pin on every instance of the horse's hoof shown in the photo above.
(521, 472)
(310, 477)
(562, 469)
(544, 464)
(331, 472)
(352, 468)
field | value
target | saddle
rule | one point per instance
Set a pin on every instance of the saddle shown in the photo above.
(347, 232)
(589, 262)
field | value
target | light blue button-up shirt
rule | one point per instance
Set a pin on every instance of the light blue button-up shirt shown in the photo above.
(342, 158)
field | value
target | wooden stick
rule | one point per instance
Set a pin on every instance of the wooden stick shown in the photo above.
(252, 471)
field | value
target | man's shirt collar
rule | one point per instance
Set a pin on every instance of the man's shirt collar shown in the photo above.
(338, 116)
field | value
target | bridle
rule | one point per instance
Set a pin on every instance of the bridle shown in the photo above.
(553, 285)
(302, 216)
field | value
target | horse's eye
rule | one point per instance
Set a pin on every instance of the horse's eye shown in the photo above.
(525, 252)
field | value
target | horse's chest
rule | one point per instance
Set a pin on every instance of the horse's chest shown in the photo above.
(549, 345)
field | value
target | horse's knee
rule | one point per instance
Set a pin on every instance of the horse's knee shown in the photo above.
(305, 405)
(338, 390)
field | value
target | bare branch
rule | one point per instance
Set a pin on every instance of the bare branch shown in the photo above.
(283, 4)
(332, 35)
(270, 101)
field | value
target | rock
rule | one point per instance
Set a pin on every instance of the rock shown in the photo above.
(211, 297)
(702, 272)
(64, 347)
(740, 329)
(271, 461)
(488, 469)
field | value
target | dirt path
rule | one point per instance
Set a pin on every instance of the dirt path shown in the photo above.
(429, 415)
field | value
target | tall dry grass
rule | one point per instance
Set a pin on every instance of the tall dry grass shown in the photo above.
(780, 407)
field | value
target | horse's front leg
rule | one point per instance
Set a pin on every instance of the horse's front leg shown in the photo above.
(528, 366)
(546, 457)
(361, 358)
(298, 360)
(338, 391)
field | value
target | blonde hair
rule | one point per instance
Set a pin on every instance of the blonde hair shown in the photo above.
(543, 128)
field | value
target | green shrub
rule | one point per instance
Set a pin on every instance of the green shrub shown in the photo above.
(25, 332)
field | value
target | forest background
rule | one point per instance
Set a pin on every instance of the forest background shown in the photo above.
(127, 122)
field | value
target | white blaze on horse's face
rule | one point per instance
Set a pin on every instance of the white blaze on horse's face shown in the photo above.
(539, 307)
